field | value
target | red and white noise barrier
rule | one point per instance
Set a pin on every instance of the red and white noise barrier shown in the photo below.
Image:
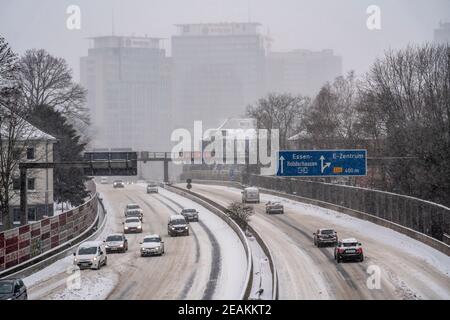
(23, 243)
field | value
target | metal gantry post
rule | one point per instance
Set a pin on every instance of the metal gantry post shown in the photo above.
(23, 196)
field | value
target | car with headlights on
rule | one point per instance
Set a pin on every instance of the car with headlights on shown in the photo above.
(118, 184)
(348, 249)
(116, 243)
(90, 255)
(13, 289)
(274, 207)
(191, 215)
(325, 237)
(152, 245)
(132, 225)
(178, 226)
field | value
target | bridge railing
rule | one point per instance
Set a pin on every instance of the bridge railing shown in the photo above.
(422, 216)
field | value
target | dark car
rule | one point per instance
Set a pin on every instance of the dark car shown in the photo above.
(116, 243)
(134, 213)
(13, 289)
(348, 249)
(190, 215)
(177, 226)
(274, 207)
(325, 237)
(118, 184)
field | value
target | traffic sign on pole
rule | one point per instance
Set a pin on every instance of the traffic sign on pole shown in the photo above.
(322, 163)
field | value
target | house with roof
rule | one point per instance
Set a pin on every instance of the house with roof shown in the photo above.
(31, 145)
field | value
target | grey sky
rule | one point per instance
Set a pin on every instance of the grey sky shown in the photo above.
(312, 24)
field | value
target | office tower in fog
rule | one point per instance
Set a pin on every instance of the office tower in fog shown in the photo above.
(128, 87)
(442, 34)
(301, 71)
(217, 70)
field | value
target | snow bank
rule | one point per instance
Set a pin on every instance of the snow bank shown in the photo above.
(95, 286)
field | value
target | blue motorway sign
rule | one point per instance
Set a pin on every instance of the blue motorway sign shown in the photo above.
(322, 163)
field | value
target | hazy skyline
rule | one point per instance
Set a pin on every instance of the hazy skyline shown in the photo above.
(293, 24)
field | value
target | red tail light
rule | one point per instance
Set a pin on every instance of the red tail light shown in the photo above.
(359, 250)
(341, 250)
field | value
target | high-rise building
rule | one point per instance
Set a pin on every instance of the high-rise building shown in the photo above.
(128, 87)
(218, 69)
(442, 34)
(301, 71)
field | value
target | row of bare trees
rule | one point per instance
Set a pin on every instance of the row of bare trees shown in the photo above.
(399, 110)
(28, 84)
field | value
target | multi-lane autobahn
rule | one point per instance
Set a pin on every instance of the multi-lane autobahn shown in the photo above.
(211, 262)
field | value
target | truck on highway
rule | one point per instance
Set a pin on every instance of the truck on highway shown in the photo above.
(250, 194)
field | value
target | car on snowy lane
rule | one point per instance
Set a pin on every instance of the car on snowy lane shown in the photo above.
(348, 249)
(152, 245)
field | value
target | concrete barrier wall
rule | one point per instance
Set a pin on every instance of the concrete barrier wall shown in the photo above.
(422, 220)
(26, 242)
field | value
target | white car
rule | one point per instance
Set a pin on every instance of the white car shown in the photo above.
(152, 245)
(132, 224)
(91, 255)
(103, 180)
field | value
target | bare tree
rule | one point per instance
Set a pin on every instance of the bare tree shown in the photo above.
(47, 80)
(330, 120)
(15, 132)
(240, 213)
(408, 93)
(279, 111)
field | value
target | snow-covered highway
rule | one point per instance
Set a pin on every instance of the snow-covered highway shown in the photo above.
(408, 269)
(209, 264)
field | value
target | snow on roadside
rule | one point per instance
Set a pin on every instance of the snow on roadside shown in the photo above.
(94, 285)
(387, 236)
(233, 270)
(55, 268)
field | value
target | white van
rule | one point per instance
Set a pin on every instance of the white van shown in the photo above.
(250, 194)
(90, 254)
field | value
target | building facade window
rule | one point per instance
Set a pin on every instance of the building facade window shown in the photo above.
(32, 214)
(16, 184)
(31, 184)
(30, 153)
(16, 215)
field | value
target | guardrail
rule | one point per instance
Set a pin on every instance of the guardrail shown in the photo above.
(28, 246)
(220, 210)
(419, 219)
